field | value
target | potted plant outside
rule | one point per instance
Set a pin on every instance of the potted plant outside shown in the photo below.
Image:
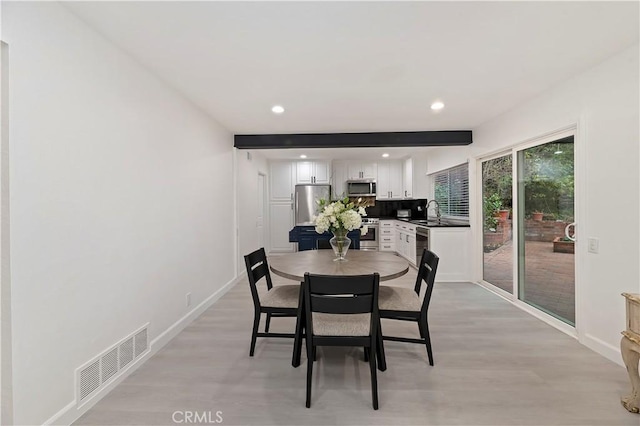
(537, 216)
(491, 206)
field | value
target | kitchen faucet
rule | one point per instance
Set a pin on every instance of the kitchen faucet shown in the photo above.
(426, 210)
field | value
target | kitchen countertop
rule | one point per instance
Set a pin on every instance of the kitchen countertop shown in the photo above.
(433, 222)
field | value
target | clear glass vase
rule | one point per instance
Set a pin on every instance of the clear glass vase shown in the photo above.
(340, 244)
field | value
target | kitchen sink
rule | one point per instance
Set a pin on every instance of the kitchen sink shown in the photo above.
(440, 223)
(427, 222)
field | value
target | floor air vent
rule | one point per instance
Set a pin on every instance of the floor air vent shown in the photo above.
(126, 352)
(109, 364)
(141, 342)
(105, 367)
(89, 379)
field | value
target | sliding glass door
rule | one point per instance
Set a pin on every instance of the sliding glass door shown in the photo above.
(546, 265)
(497, 240)
(540, 209)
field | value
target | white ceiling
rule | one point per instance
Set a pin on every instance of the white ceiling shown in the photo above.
(363, 66)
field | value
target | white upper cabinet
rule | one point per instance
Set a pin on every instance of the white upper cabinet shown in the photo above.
(382, 183)
(408, 178)
(304, 172)
(313, 172)
(322, 172)
(363, 169)
(355, 172)
(395, 176)
(417, 182)
(389, 182)
(282, 181)
(369, 169)
(340, 176)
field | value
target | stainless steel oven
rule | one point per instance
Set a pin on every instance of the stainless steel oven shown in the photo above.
(422, 242)
(370, 241)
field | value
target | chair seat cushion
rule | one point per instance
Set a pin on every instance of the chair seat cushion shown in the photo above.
(281, 296)
(341, 324)
(398, 299)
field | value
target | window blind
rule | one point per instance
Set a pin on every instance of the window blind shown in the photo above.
(451, 190)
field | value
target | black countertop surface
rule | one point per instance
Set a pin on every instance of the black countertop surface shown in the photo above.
(433, 222)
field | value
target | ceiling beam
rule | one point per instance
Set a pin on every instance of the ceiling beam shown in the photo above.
(354, 140)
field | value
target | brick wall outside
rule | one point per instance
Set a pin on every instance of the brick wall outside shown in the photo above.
(503, 233)
(544, 230)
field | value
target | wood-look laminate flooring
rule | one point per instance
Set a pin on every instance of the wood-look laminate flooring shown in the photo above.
(494, 365)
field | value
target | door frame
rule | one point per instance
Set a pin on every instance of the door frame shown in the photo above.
(6, 358)
(480, 227)
(265, 208)
(572, 129)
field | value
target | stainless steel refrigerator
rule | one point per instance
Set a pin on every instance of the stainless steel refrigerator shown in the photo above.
(306, 202)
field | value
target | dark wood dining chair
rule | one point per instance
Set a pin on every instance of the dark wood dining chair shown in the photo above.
(404, 304)
(276, 301)
(341, 311)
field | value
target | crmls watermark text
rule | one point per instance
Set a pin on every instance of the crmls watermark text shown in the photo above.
(199, 417)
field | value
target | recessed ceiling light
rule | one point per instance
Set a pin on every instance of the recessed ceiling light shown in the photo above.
(385, 155)
(437, 106)
(303, 156)
(277, 109)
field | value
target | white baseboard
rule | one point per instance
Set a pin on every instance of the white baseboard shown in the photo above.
(180, 325)
(603, 348)
(61, 416)
(452, 279)
(71, 412)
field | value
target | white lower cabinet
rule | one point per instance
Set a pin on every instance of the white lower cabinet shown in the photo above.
(406, 241)
(281, 222)
(386, 236)
(452, 245)
(399, 242)
(412, 248)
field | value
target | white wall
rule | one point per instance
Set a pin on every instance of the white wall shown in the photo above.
(121, 202)
(247, 178)
(603, 102)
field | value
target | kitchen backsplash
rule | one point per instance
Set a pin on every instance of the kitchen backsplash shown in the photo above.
(390, 208)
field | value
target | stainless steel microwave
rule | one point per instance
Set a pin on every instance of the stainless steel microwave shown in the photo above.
(361, 188)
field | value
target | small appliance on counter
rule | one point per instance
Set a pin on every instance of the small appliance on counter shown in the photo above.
(404, 214)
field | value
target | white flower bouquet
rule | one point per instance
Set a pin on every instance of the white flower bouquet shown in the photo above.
(340, 217)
